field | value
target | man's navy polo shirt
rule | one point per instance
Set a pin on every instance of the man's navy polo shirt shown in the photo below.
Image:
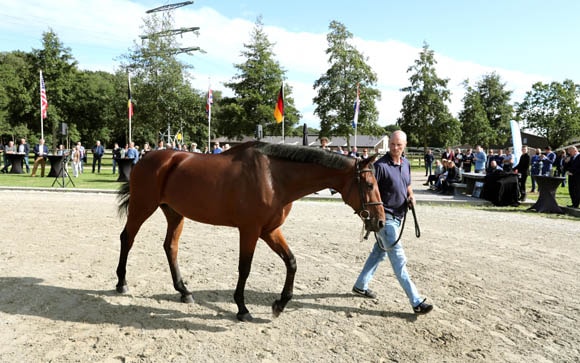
(393, 181)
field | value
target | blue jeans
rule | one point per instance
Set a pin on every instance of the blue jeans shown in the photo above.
(388, 235)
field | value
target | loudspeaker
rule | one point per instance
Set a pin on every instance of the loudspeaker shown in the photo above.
(63, 129)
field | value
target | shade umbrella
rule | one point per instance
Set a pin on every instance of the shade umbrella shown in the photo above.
(305, 135)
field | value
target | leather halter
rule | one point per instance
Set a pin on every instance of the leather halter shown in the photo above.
(363, 213)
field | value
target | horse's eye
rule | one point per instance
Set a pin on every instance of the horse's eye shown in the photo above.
(370, 185)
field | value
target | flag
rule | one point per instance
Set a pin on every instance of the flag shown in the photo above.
(209, 100)
(43, 99)
(279, 110)
(130, 101)
(356, 107)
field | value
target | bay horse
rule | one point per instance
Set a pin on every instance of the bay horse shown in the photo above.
(250, 186)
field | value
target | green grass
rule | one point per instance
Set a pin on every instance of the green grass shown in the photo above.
(104, 181)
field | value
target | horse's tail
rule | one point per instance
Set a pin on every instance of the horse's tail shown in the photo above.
(123, 198)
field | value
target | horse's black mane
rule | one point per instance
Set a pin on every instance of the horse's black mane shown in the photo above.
(303, 154)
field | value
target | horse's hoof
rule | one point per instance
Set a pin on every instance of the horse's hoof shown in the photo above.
(245, 317)
(276, 309)
(122, 289)
(188, 299)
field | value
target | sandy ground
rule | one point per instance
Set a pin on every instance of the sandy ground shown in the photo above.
(505, 288)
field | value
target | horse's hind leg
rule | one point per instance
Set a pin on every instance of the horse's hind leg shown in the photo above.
(278, 244)
(171, 246)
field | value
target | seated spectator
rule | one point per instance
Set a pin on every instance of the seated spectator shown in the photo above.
(453, 176)
(438, 171)
(494, 168)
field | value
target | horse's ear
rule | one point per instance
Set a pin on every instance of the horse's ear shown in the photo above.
(369, 160)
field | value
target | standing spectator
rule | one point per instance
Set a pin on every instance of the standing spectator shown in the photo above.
(9, 149)
(353, 152)
(522, 169)
(23, 148)
(393, 174)
(428, 157)
(490, 157)
(216, 148)
(559, 165)
(60, 151)
(132, 153)
(76, 160)
(547, 161)
(458, 158)
(40, 152)
(116, 156)
(160, 145)
(365, 153)
(98, 151)
(572, 167)
(536, 167)
(499, 158)
(146, 149)
(83, 156)
(324, 143)
(448, 154)
(468, 160)
(194, 148)
(479, 160)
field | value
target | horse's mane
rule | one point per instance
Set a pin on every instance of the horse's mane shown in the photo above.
(302, 154)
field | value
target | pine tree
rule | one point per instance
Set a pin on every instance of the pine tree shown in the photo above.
(337, 88)
(256, 87)
(425, 116)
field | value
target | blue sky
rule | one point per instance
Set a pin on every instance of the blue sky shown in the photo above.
(523, 41)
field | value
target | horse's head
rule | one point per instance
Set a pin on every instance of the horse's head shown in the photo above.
(364, 197)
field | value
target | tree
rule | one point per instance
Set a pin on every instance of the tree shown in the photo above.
(256, 87)
(16, 102)
(59, 71)
(425, 116)
(495, 100)
(475, 126)
(158, 78)
(337, 88)
(552, 111)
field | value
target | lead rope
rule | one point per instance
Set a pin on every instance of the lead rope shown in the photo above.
(417, 229)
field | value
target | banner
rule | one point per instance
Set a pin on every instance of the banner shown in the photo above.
(516, 141)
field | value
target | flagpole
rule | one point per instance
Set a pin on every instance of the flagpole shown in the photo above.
(283, 138)
(130, 108)
(208, 117)
(41, 118)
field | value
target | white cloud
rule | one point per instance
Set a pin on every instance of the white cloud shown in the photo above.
(99, 30)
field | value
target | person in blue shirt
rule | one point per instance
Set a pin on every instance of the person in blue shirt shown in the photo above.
(132, 153)
(216, 148)
(479, 159)
(98, 151)
(547, 161)
(393, 173)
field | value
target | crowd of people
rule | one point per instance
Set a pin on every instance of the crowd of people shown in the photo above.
(443, 172)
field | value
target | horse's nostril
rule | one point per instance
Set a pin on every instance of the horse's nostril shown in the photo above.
(381, 224)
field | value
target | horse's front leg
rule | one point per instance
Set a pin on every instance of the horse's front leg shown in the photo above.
(171, 247)
(278, 244)
(248, 240)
